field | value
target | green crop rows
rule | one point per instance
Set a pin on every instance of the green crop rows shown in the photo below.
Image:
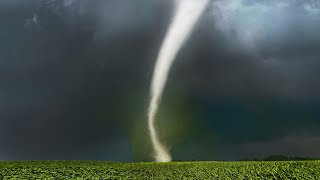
(178, 170)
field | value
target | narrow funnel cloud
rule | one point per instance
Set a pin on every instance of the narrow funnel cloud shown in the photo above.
(187, 14)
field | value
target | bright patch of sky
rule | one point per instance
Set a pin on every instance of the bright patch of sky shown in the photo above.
(252, 23)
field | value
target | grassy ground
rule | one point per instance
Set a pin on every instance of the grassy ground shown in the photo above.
(178, 170)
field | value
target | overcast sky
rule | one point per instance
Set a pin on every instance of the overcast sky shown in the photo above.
(75, 77)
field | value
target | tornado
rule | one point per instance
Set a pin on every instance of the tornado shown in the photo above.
(187, 13)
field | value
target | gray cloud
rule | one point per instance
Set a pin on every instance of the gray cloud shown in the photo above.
(249, 73)
(258, 48)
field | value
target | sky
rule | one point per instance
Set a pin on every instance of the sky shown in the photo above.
(75, 77)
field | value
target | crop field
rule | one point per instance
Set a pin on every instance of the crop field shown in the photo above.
(177, 170)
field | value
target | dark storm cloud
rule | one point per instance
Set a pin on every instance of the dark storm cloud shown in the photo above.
(252, 71)
(278, 39)
(75, 73)
(268, 47)
(64, 89)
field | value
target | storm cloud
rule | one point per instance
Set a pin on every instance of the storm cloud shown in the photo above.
(247, 79)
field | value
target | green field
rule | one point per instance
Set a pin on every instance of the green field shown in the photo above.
(177, 170)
